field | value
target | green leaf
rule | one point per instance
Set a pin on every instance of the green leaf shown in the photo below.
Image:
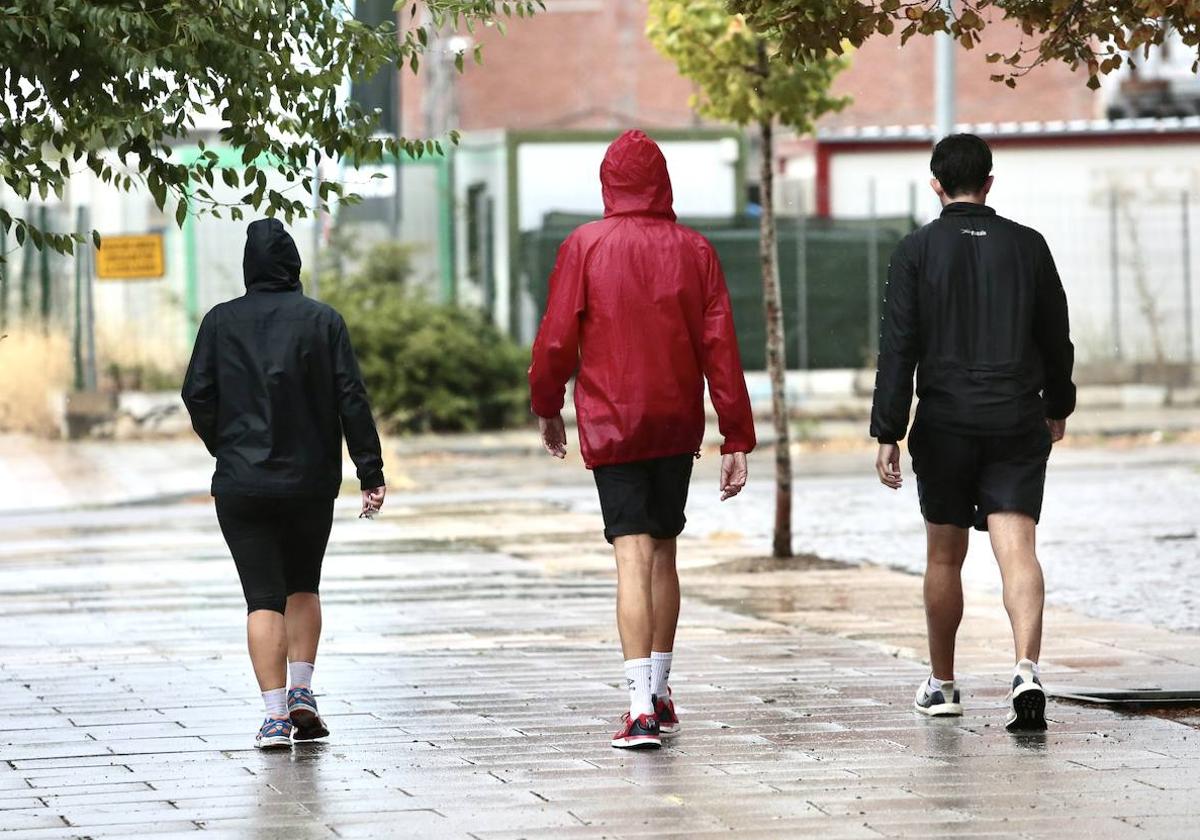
(181, 212)
(139, 73)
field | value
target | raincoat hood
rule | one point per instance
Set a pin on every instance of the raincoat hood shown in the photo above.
(634, 178)
(270, 262)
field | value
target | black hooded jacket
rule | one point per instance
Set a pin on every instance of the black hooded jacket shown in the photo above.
(974, 304)
(273, 384)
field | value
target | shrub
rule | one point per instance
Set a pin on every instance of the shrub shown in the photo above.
(428, 366)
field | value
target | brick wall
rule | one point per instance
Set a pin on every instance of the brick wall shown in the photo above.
(580, 64)
(894, 86)
(588, 64)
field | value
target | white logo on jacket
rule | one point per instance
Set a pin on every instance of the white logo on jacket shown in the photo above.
(970, 232)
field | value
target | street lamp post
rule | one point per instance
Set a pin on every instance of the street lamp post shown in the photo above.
(943, 79)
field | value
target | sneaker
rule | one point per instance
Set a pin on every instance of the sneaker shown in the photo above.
(274, 734)
(1027, 701)
(302, 709)
(638, 733)
(664, 710)
(942, 703)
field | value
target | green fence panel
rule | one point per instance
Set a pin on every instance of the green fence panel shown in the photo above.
(837, 279)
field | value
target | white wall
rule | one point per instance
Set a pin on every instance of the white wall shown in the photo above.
(566, 176)
(482, 158)
(1064, 192)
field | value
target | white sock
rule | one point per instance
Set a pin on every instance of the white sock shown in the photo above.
(301, 673)
(637, 677)
(275, 702)
(660, 671)
(1033, 666)
(935, 684)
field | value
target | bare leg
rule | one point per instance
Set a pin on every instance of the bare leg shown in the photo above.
(665, 595)
(266, 637)
(946, 551)
(303, 620)
(1014, 542)
(635, 607)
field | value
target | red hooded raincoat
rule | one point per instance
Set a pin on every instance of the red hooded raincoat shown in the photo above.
(639, 312)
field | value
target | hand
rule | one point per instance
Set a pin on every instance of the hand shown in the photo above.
(554, 435)
(1058, 429)
(733, 474)
(887, 464)
(372, 501)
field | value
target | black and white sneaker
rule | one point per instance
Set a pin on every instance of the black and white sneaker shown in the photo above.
(943, 702)
(1027, 701)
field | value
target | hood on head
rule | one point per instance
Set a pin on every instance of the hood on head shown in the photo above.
(634, 179)
(270, 261)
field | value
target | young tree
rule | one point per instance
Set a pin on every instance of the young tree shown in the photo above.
(107, 87)
(1098, 36)
(739, 80)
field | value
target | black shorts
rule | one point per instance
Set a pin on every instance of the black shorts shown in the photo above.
(961, 479)
(278, 545)
(645, 497)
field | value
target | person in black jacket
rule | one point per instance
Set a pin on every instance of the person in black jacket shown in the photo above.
(272, 386)
(975, 307)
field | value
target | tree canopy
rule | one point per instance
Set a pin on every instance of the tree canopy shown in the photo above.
(730, 64)
(1099, 37)
(107, 87)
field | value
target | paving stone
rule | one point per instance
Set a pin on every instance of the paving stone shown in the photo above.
(471, 692)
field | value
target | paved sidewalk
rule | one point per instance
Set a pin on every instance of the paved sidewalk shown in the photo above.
(470, 674)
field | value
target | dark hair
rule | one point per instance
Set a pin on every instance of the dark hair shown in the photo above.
(961, 163)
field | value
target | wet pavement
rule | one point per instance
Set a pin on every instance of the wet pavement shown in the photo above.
(470, 673)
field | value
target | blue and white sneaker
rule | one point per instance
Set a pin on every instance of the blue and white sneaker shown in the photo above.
(1027, 700)
(943, 702)
(274, 734)
(302, 709)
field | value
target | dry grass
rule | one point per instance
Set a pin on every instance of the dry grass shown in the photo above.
(33, 365)
(132, 362)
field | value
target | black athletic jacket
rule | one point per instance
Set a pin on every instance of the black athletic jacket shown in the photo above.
(273, 384)
(975, 306)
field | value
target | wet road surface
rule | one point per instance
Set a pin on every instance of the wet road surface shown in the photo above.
(470, 676)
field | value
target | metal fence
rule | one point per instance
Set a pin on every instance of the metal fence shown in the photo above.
(1128, 264)
(45, 291)
(1127, 248)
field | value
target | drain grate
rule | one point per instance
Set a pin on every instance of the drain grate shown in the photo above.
(1130, 696)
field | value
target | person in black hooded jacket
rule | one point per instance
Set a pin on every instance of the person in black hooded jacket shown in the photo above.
(975, 307)
(272, 386)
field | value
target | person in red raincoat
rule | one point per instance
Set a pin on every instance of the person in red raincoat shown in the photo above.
(639, 313)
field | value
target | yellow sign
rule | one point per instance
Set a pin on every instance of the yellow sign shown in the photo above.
(131, 257)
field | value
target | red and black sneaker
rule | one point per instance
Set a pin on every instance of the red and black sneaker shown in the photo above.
(638, 733)
(664, 710)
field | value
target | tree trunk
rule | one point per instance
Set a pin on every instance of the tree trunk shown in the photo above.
(776, 360)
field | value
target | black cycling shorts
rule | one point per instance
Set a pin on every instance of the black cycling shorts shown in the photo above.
(962, 479)
(278, 545)
(645, 497)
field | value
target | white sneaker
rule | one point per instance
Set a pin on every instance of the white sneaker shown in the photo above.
(942, 703)
(1026, 701)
